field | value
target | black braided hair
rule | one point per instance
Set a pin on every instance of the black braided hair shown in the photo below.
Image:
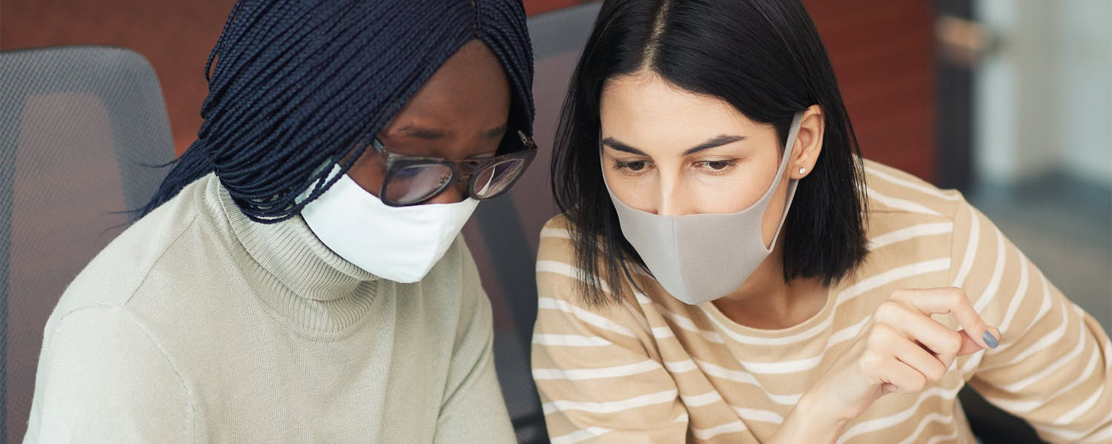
(295, 85)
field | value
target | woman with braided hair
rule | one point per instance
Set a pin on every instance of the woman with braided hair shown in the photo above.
(299, 275)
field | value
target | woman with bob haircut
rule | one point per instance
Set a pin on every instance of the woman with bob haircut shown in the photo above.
(728, 269)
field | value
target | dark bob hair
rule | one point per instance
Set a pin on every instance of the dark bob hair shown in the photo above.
(765, 58)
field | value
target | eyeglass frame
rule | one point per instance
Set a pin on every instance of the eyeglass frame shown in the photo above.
(398, 162)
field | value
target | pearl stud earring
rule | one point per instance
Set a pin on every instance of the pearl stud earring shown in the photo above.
(802, 170)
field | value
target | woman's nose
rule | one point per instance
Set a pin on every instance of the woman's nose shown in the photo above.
(669, 201)
(668, 207)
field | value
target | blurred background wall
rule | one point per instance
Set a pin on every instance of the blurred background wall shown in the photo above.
(1039, 107)
(1044, 91)
(881, 50)
(175, 35)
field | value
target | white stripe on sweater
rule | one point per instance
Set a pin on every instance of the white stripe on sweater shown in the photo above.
(929, 418)
(901, 204)
(583, 315)
(911, 185)
(970, 247)
(711, 432)
(580, 435)
(909, 233)
(617, 371)
(997, 274)
(570, 340)
(884, 422)
(1053, 367)
(611, 406)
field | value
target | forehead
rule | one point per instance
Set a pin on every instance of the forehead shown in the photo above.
(648, 110)
(469, 91)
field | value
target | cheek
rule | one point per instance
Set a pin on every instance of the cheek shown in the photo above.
(728, 195)
(632, 191)
(369, 172)
(734, 192)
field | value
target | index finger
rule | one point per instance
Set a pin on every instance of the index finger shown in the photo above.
(951, 300)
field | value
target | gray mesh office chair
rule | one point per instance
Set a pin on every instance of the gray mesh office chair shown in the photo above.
(504, 233)
(80, 128)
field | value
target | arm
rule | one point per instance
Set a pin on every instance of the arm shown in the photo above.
(102, 378)
(474, 410)
(1053, 367)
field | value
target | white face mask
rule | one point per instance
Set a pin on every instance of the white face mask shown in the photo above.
(397, 243)
(698, 258)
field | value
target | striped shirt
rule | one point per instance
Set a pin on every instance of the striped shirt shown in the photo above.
(653, 369)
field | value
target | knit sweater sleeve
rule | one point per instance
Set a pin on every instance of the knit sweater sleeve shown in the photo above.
(473, 410)
(102, 378)
(1053, 367)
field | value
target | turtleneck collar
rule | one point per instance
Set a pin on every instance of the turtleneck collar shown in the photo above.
(300, 278)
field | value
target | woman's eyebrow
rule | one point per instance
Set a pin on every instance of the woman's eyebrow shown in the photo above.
(436, 134)
(495, 133)
(714, 142)
(615, 144)
(423, 132)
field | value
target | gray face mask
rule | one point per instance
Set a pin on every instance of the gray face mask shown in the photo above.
(702, 257)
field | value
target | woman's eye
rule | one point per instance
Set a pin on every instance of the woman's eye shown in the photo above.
(632, 167)
(715, 165)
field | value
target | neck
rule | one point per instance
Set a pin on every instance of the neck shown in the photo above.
(766, 301)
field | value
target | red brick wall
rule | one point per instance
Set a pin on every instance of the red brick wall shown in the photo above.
(882, 53)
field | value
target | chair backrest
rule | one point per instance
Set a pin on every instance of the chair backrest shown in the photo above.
(81, 129)
(504, 233)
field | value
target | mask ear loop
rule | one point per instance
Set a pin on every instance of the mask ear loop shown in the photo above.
(793, 183)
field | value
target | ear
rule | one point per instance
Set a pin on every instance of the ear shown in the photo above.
(808, 142)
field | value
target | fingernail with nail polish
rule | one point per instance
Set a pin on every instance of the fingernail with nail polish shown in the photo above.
(990, 339)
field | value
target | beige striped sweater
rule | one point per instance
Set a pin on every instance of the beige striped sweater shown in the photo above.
(653, 369)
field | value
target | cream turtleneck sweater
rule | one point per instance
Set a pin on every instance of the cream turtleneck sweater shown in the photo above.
(199, 325)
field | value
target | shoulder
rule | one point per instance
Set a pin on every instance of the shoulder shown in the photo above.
(901, 206)
(100, 335)
(911, 227)
(894, 191)
(100, 355)
(556, 235)
(557, 272)
(152, 243)
(556, 248)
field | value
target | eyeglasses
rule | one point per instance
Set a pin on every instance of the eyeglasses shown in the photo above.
(413, 180)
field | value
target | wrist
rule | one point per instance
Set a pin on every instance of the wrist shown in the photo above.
(816, 410)
(811, 421)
